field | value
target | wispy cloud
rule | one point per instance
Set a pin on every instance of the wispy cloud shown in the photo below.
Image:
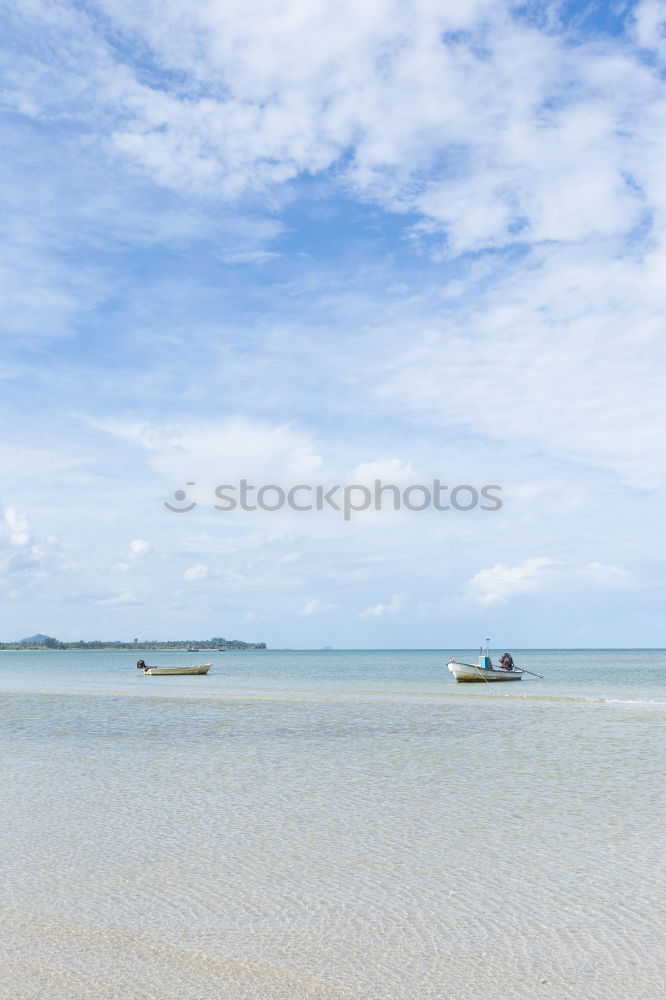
(122, 598)
(603, 575)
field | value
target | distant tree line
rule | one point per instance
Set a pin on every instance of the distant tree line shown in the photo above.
(218, 642)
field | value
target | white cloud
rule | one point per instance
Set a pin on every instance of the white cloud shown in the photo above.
(650, 26)
(533, 136)
(498, 133)
(389, 470)
(143, 130)
(317, 607)
(15, 527)
(138, 547)
(24, 555)
(603, 575)
(396, 604)
(196, 572)
(211, 453)
(25, 559)
(499, 583)
(121, 598)
(565, 353)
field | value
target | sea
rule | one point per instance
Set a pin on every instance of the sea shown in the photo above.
(319, 825)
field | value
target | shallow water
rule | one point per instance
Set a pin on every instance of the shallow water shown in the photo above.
(328, 825)
(613, 676)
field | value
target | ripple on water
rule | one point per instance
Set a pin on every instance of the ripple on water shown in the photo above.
(196, 848)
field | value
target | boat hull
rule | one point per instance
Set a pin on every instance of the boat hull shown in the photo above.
(201, 668)
(470, 673)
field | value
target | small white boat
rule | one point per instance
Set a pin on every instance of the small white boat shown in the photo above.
(481, 672)
(484, 671)
(201, 668)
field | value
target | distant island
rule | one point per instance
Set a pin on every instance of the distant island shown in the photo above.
(40, 641)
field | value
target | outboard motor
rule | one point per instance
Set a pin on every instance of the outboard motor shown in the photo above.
(140, 665)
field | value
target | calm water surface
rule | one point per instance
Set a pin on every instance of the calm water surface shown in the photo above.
(332, 825)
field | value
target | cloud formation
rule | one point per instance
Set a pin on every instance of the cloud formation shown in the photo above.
(195, 573)
(494, 129)
(333, 242)
(499, 583)
(395, 605)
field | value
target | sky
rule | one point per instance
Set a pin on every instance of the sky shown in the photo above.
(325, 244)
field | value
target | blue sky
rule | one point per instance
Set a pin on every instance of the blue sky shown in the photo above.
(325, 243)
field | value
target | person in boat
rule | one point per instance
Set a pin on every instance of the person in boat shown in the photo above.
(506, 661)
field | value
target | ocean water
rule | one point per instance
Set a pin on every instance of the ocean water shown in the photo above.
(332, 825)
